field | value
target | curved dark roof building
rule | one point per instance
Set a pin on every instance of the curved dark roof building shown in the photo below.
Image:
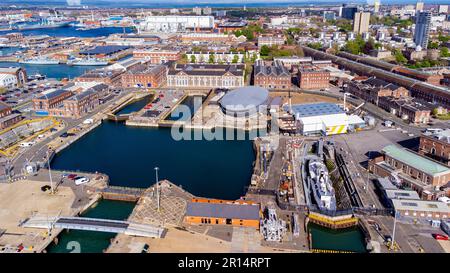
(244, 101)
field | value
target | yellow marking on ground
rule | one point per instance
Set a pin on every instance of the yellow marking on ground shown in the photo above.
(12, 150)
(328, 220)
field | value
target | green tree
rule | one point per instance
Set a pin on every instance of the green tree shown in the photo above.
(399, 58)
(433, 45)
(211, 58)
(444, 52)
(443, 39)
(315, 45)
(352, 47)
(264, 51)
(368, 46)
(356, 46)
(235, 59)
(193, 59)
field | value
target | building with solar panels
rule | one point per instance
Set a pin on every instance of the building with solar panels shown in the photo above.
(324, 119)
(104, 50)
(245, 101)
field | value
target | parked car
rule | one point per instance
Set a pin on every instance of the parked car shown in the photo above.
(72, 176)
(26, 144)
(81, 180)
(145, 248)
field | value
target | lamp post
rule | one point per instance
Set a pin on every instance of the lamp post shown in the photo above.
(393, 232)
(50, 172)
(157, 187)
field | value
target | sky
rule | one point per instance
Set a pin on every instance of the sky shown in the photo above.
(193, 2)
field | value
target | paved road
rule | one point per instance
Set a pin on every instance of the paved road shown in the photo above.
(38, 152)
(375, 111)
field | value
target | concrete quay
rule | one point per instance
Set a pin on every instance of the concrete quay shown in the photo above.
(25, 198)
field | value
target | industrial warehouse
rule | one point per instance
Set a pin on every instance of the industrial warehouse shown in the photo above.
(221, 212)
(324, 119)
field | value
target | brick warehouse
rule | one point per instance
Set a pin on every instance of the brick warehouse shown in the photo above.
(275, 76)
(222, 212)
(145, 76)
(313, 77)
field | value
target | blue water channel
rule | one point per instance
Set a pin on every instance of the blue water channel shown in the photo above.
(216, 169)
(58, 71)
(74, 241)
(72, 32)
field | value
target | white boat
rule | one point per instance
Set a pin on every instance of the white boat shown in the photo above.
(87, 62)
(321, 186)
(39, 60)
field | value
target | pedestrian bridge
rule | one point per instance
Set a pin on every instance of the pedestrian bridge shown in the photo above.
(94, 224)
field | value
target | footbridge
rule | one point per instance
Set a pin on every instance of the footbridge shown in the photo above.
(94, 224)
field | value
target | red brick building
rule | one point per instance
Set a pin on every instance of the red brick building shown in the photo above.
(392, 98)
(411, 169)
(157, 56)
(145, 76)
(275, 76)
(18, 72)
(109, 77)
(312, 77)
(436, 145)
(6, 117)
(80, 104)
(43, 104)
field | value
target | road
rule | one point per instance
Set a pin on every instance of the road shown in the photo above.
(375, 111)
(38, 152)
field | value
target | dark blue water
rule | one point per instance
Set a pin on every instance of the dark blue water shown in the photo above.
(52, 71)
(91, 241)
(186, 109)
(72, 31)
(7, 51)
(134, 107)
(350, 239)
(216, 169)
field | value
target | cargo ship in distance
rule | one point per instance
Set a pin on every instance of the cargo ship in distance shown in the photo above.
(322, 188)
(87, 62)
(52, 22)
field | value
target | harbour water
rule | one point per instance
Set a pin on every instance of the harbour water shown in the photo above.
(134, 107)
(7, 51)
(92, 241)
(216, 169)
(351, 239)
(72, 31)
(58, 71)
(192, 102)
